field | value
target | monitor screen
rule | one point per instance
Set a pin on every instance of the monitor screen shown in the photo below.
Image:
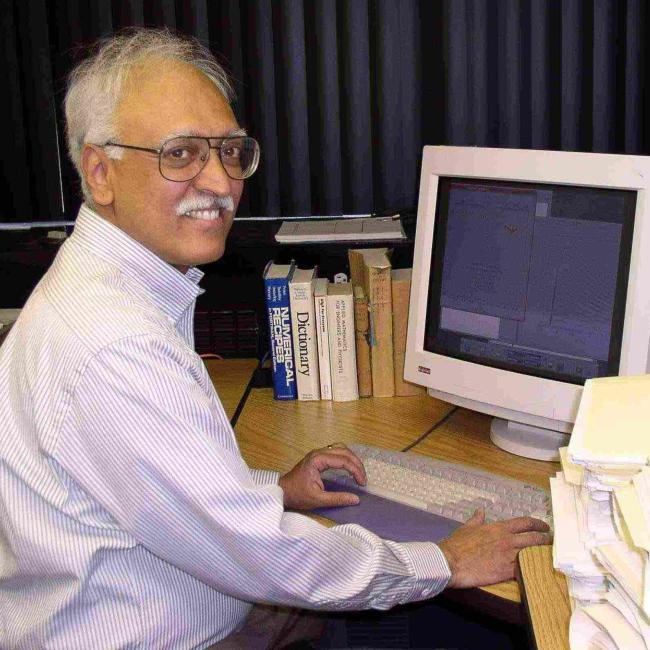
(530, 277)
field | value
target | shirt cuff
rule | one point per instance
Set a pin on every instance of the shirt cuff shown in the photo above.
(430, 568)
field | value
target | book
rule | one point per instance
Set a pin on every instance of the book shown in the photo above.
(371, 269)
(303, 327)
(362, 336)
(322, 337)
(340, 316)
(276, 292)
(348, 229)
(401, 291)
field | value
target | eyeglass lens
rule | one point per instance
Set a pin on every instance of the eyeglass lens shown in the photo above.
(181, 159)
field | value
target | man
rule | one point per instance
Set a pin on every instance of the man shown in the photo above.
(129, 518)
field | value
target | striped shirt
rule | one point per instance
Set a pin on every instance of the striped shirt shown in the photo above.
(128, 518)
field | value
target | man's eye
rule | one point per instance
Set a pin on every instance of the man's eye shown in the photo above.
(231, 152)
(180, 153)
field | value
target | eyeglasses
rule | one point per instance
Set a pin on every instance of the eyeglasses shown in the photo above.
(182, 158)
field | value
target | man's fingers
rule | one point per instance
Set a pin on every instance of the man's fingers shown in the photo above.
(335, 499)
(526, 525)
(523, 540)
(341, 459)
(477, 518)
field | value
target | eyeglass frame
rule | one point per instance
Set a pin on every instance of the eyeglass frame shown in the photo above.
(223, 139)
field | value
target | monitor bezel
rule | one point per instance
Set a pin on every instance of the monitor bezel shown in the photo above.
(505, 393)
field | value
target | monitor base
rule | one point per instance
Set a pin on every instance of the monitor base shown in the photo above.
(526, 440)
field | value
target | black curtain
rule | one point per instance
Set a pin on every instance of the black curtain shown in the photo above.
(343, 94)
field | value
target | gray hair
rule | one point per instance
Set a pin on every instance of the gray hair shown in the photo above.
(95, 85)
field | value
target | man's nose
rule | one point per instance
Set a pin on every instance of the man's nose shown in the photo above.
(213, 177)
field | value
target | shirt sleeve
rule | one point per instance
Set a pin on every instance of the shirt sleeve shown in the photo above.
(146, 436)
(264, 477)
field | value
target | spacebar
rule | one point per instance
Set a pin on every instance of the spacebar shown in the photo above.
(398, 497)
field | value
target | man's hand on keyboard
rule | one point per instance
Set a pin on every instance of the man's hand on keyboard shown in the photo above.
(483, 554)
(303, 486)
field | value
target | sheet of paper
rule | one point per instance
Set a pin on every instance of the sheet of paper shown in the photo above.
(570, 555)
(585, 633)
(609, 618)
(599, 517)
(627, 566)
(612, 422)
(641, 484)
(573, 473)
(634, 523)
(617, 597)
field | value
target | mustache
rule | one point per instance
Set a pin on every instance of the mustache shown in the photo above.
(203, 202)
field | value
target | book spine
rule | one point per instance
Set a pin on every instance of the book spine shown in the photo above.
(381, 331)
(340, 313)
(355, 259)
(361, 333)
(322, 335)
(400, 294)
(304, 340)
(279, 316)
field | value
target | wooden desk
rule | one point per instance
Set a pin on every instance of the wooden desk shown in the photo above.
(230, 377)
(276, 435)
(546, 599)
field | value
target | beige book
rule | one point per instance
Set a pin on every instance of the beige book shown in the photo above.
(322, 337)
(371, 268)
(401, 291)
(361, 334)
(303, 327)
(340, 316)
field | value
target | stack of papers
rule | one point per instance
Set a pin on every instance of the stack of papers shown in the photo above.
(601, 513)
(585, 577)
(332, 230)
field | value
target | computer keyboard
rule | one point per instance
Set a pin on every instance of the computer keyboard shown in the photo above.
(444, 489)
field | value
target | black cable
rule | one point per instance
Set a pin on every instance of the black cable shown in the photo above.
(439, 423)
(249, 387)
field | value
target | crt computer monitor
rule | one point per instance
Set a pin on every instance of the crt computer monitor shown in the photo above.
(531, 274)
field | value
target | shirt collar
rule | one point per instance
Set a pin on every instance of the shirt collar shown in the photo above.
(172, 291)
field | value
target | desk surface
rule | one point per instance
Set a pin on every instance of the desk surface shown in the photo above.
(546, 598)
(277, 434)
(230, 377)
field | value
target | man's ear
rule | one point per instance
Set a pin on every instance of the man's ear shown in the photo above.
(94, 165)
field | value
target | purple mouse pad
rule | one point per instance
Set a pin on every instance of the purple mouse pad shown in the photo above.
(388, 519)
